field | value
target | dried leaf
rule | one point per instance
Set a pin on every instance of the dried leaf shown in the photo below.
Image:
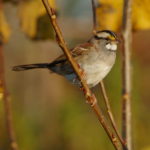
(109, 14)
(4, 28)
(30, 12)
(141, 15)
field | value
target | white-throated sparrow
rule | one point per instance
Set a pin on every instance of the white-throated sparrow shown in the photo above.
(95, 57)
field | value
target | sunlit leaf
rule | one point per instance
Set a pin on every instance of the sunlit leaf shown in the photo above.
(109, 14)
(4, 28)
(141, 14)
(146, 148)
(30, 12)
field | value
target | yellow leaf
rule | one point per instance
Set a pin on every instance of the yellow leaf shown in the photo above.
(109, 14)
(146, 148)
(4, 28)
(141, 14)
(29, 12)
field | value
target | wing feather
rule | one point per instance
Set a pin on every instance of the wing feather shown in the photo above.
(62, 66)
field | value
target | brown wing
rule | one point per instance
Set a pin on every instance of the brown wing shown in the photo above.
(77, 51)
(81, 49)
(62, 66)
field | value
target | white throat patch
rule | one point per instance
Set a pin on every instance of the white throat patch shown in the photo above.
(111, 47)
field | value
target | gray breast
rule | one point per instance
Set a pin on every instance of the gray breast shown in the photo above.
(96, 65)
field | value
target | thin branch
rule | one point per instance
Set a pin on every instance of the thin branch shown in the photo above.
(126, 100)
(6, 99)
(7, 105)
(110, 114)
(106, 100)
(94, 16)
(88, 94)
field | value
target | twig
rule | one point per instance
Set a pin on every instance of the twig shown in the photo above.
(106, 100)
(88, 94)
(126, 100)
(94, 16)
(7, 105)
(110, 114)
(6, 99)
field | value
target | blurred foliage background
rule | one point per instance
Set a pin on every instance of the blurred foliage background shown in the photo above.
(50, 113)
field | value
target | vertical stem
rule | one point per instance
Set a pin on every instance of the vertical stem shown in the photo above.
(7, 105)
(94, 16)
(6, 99)
(110, 114)
(126, 100)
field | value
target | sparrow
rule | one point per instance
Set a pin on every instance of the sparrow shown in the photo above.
(95, 58)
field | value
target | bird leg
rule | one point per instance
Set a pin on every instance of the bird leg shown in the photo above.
(92, 101)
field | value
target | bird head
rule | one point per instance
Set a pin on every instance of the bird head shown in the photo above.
(107, 38)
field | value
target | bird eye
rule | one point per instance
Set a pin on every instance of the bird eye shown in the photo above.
(97, 37)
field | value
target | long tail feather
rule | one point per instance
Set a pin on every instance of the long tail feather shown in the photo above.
(30, 66)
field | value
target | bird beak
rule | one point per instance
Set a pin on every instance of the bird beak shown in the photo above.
(118, 40)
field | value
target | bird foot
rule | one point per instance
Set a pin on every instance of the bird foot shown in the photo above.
(91, 99)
